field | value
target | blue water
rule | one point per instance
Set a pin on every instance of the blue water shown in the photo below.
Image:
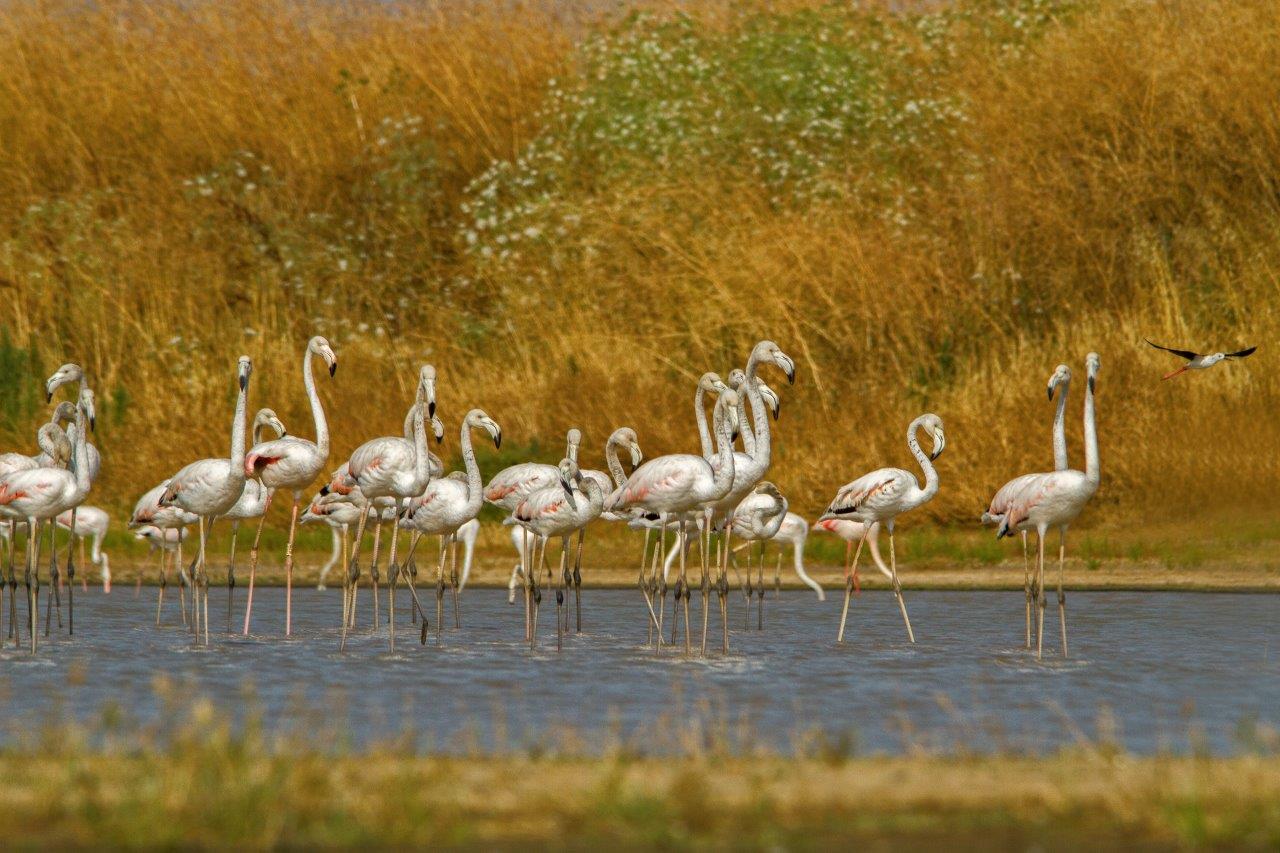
(1149, 671)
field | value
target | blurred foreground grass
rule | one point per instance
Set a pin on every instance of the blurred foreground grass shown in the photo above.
(216, 791)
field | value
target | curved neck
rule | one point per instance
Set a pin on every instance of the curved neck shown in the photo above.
(759, 416)
(771, 529)
(930, 473)
(80, 458)
(611, 460)
(237, 435)
(475, 493)
(700, 414)
(595, 497)
(1060, 431)
(317, 410)
(1090, 438)
(748, 434)
(722, 475)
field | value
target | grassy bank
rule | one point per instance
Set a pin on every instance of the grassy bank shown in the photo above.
(216, 793)
(574, 215)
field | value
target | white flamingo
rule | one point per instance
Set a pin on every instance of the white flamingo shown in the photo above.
(54, 452)
(253, 499)
(448, 503)
(209, 488)
(677, 485)
(1004, 498)
(560, 510)
(1055, 500)
(392, 467)
(41, 494)
(757, 518)
(90, 459)
(148, 512)
(882, 496)
(91, 522)
(167, 540)
(291, 463)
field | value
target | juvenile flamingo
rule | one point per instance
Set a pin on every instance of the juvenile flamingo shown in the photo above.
(252, 502)
(148, 512)
(1055, 500)
(91, 522)
(209, 488)
(291, 463)
(882, 496)
(1004, 498)
(758, 518)
(90, 460)
(55, 452)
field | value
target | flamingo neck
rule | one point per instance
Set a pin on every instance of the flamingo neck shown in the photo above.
(1060, 431)
(760, 418)
(722, 475)
(700, 414)
(317, 410)
(237, 436)
(611, 460)
(930, 473)
(421, 456)
(1091, 470)
(748, 434)
(80, 459)
(474, 489)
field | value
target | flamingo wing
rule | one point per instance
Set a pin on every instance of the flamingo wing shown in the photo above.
(877, 487)
(665, 475)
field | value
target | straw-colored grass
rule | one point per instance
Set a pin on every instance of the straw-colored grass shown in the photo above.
(574, 214)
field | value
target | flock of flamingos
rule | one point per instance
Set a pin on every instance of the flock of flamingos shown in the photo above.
(719, 493)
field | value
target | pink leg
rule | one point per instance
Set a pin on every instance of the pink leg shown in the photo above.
(253, 562)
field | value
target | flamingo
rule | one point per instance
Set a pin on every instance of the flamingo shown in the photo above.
(339, 511)
(448, 503)
(392, 467)
(882, 496)
(1055, 500)
(757, 518)
(208, 488)
(853, 531)
(679, 484)
(164, 539)
(64, 375)
(148, 512)
(40, 494)
(91, 522)
(512, 485)
(1005, 497)
(559, 510)
(291, 463)
(252, 502)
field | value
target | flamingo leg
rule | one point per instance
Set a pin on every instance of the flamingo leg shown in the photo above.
(897, 587)
(642, 582)
(577, 583)
(777, 574)
(354, 565)
(231, 570)
(1062, 595)
(164, 582)
(760, 588)
(347, 582)
(661, 582)
(453, 578)
(253, 560)
(374, 574)
(71, 573)
(526, 567)
(33, 580)
(1026, 584)
(725, 539)
(746, 588)
(561, 618)
(540, 561)
(288, 566)
(850, 574)
(10, 546)
(393, 578)
(1040, 593)
(55, 580)
(182, 585)
(684, 581)
(704, 583)
(411, 573)
(200, 589)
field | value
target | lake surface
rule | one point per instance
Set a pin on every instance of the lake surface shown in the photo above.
(1149, 671)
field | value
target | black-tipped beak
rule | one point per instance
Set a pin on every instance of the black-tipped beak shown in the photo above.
(48, 396)
(439, 439)
(431, 408)
(1050, 392)
(333, 368)
(1091, 385)
(791, 376)
(497, 441)
(324, 490)
(93, 424)
(777, 410)
(283, 433)
(244, 382)
(935, 454)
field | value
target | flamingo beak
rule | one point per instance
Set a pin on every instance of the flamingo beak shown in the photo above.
(1091, 385)
(93, 423)
(1050, 392)
(497, 440)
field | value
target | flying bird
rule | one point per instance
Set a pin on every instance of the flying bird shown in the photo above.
(1196, 361)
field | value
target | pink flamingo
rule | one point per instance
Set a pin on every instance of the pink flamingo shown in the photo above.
(392, 467)
(1008, 493)
(882, 496)
(446, 504)
(55, 452)
(1055, 500)
(252, 502)
(209, 488)
(678, 485)
(148, 512)
(41, 494)
(291, 463)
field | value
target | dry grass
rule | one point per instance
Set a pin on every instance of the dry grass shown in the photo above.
(1107, 177)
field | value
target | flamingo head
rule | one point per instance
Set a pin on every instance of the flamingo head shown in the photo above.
(1092, 364)
(711, 383)
(569, 474)
(320, 346)
(1061, 376)
(67, 373)
(477, 419)
(427, 387)
(267, 419)
(244, 367)
(64, 413)
(572, 441)
(933, 424)
(770, 398)
(768, 351)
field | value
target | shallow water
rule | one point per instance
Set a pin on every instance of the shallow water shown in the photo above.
(1147, 670)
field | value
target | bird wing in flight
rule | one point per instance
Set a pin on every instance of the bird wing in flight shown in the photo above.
(1187, 354)
(1244, 353)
